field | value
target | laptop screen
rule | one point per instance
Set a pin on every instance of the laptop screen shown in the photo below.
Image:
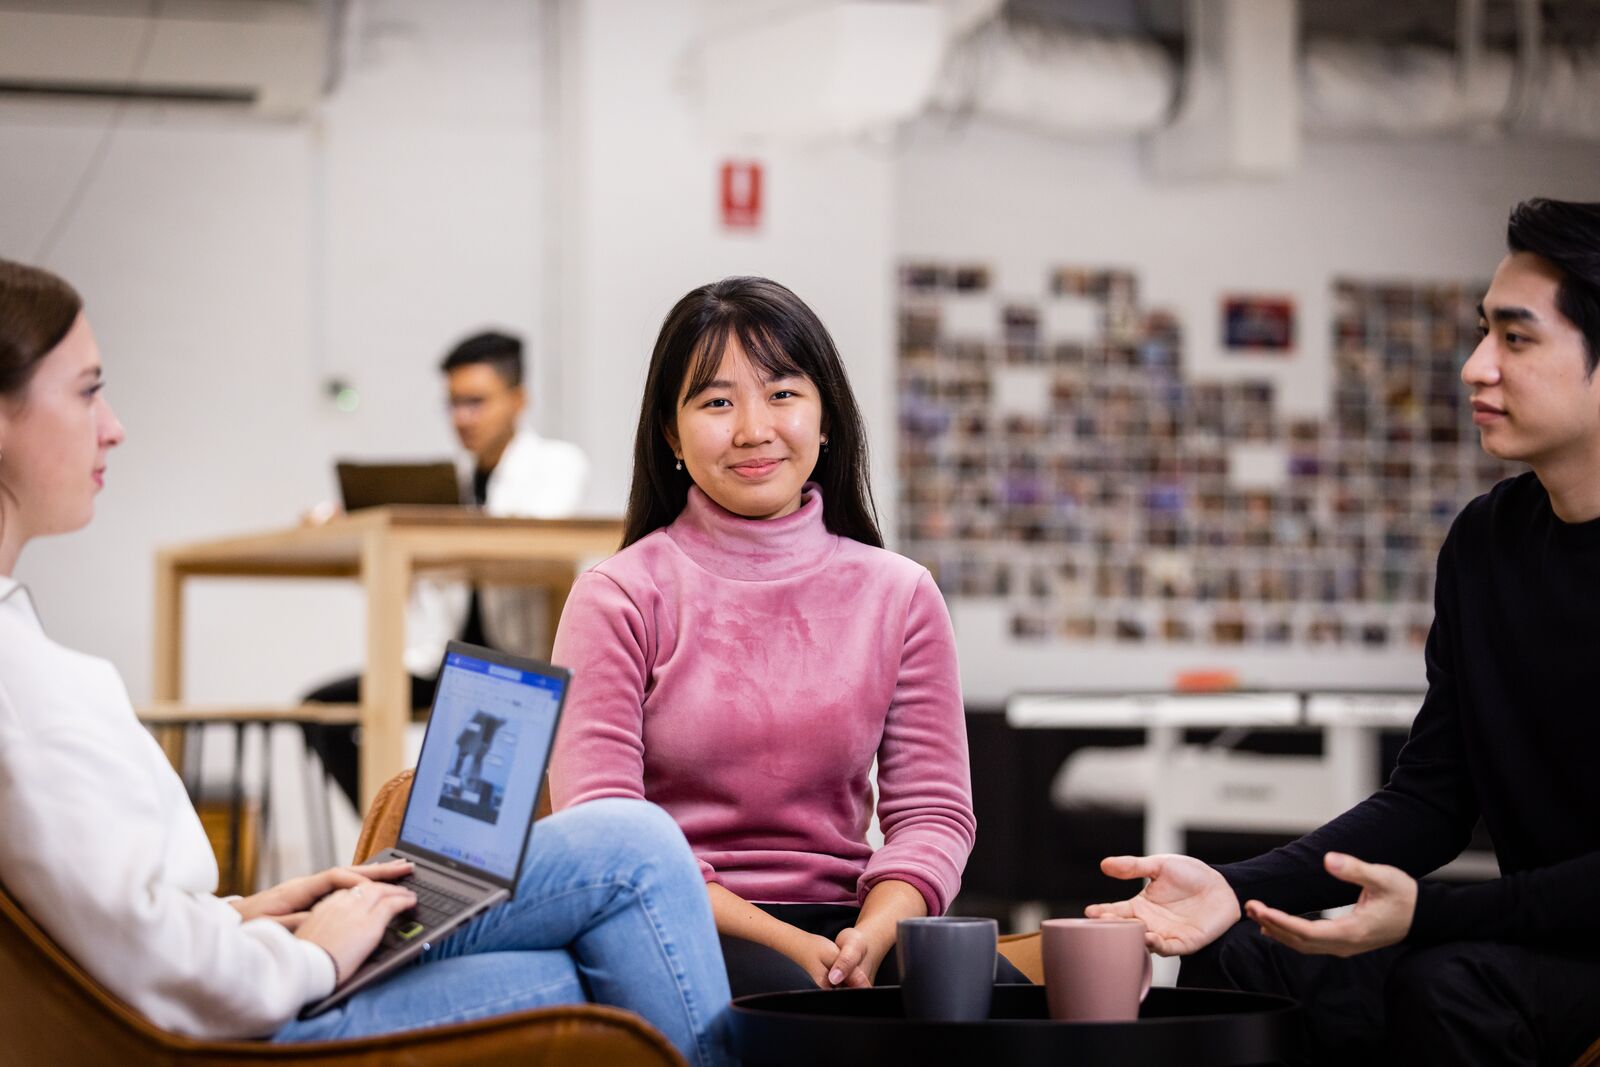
(483, 759)
(369, 485)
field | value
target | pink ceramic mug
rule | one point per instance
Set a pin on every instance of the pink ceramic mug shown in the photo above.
(1095, 970)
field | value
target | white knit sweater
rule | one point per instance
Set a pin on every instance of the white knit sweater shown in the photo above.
(99, 843)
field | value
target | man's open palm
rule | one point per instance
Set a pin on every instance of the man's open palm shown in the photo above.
(1185, 906)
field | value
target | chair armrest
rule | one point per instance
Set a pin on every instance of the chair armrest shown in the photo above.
(1024, 953)
(381, 828)
(569, 1036)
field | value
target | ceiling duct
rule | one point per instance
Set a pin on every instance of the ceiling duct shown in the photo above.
(270, 57)
(1566, 100)
(1402, 90)
(1417, 91)
(1239, 115)
(1249, 90)
(1074, 84)
(834, 68)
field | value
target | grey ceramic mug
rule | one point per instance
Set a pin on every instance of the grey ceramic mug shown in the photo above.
(947, 967)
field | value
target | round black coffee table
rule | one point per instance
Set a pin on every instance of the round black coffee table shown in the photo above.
(1191, 1027)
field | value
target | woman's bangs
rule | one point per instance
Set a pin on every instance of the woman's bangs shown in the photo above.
(768, 355)
(759, 346)
(704, 358)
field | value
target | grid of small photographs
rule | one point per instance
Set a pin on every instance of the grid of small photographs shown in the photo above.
(1054, 455)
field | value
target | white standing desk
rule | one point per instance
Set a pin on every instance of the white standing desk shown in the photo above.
(1182, 798)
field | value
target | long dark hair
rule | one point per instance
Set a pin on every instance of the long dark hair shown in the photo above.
(36, 311)
(783, 337)
(1567, 234)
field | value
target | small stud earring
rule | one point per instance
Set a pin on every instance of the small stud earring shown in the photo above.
(824, 442)
(680, 463)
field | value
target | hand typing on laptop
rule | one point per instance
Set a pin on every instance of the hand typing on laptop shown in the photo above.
(289, 902)
(342, 910)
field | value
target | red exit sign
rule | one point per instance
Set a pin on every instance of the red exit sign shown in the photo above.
(741, 194)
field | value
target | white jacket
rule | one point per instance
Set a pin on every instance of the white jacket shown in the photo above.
(100, 845)
(535, 479)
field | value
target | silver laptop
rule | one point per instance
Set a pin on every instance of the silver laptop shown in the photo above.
(470, 814)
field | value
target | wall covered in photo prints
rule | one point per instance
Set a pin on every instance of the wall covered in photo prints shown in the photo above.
(1061, 462)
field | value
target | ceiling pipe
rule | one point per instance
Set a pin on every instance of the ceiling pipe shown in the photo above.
(1469, 41)
(1530, 47)
(1085, 85)
(1082, 85)
(832, 68)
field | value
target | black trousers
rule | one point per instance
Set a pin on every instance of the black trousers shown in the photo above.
(755, 968)
(337, 746)
(1463, 1002)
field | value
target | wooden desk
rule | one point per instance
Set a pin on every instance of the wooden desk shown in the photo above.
(383, 548)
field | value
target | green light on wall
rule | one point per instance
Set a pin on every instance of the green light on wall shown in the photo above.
(345, 397)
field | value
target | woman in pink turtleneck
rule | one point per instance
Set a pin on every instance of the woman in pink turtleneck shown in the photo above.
(753, 648)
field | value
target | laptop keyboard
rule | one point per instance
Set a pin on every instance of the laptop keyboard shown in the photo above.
(435, 906)
(435, 903)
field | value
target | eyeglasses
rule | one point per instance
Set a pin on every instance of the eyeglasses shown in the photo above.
(468, 404)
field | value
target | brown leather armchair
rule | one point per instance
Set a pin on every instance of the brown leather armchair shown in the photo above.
(53, 1012)
(1024, 953)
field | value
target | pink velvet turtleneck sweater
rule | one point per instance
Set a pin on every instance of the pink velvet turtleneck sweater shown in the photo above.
(743, 674)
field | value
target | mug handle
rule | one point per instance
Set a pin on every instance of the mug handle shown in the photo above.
(1149, 974)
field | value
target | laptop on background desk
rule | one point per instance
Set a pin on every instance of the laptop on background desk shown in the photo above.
(470, 814)
(371, 485)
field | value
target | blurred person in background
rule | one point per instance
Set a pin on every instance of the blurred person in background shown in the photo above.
(507, 470)
(1505, 971)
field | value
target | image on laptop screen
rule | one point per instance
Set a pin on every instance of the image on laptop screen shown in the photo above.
(478, 778)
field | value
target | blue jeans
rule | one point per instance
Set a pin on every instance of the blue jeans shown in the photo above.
(611, 908)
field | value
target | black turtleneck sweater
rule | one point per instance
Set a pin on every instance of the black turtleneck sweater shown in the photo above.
(1509, 730)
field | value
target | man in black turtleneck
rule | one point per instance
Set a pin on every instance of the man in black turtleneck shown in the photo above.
(1505, 971)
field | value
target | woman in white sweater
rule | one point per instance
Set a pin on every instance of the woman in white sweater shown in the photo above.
(99, 842)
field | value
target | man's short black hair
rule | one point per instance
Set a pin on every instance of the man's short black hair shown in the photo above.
(1567, 234)
(501, 351)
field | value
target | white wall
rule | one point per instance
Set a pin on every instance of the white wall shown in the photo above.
(1424, 210)
(229, 265)
(639, 224)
